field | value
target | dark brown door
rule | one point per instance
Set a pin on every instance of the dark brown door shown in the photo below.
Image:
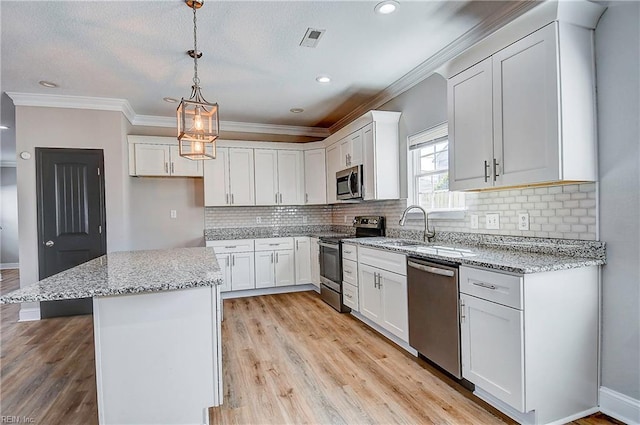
(71, 217)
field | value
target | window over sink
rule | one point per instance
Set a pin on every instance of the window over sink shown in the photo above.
(429, 171)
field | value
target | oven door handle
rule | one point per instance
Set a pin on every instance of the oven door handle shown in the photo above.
(326, 245)
(349, 183)
(434, 270)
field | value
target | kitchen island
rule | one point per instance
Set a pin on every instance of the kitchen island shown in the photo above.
(156, 331)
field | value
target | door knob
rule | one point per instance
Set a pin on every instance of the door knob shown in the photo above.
(48, 244)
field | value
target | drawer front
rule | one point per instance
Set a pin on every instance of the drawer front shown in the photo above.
(349, 252)
(270, 244)
(493, 286)
(350, 272)
(230, 246)
(350, 296)
(391, 261)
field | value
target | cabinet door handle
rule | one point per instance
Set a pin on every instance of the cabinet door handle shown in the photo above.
(276, 257)
(496, 164)
(306, 198)
(226, 260)
(297, 246)
(171, 167)
(272, 258)
(227, 200)
(462, 316)
(484, 285)
(166, 168)
(486, 171)
(281, 198)
(232, 201)
(233, 260)
(276, 197)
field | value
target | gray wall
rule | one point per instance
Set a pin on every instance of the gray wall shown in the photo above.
(8, 216)
(137, 208)
(423, 106)
(618, 65)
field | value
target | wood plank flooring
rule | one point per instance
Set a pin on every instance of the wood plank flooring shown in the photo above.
(286, 358)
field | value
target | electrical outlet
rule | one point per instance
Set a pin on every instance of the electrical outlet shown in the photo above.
(523, 221)
(474, 221)
(345, 218)
(258, 220)
(173, 214)
(493, 221)
(304, 219)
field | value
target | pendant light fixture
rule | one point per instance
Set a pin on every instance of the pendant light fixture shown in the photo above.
(198, 122)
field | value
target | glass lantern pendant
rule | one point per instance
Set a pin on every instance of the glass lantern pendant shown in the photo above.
(198, 122)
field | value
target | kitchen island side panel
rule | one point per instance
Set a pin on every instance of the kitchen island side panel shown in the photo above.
(157, 356)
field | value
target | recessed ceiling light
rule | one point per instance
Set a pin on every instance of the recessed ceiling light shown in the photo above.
(296, 110)
(170, 100)
(386, 7)
(48, 84)
(4, 127)
(324, 79)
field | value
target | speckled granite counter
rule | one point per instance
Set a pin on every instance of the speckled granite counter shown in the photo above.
(511, 258)
(120, 273)
(277, 232)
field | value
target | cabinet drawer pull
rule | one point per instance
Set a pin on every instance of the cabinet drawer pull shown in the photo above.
(347, 252)
(484, 285)
(231, 247)
(274, 244)
(347, 271)
(347, 295)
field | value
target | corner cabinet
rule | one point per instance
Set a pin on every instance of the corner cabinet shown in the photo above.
(160, 157)
(315, 177)
(525, 115)
(228, 179)
(530, 342)
(235, 258)
(371, 140)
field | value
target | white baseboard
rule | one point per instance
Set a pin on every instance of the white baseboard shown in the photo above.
(402, 344)
(9, 266)
(29, 314)
(267, 291)
(619, 406)
(520, 417)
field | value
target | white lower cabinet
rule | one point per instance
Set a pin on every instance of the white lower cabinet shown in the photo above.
(350, 296)
(302, 260)
(383, 293)
(530, 342)
(315, 262)
(265, 270)
(275, 265)
(235, 258)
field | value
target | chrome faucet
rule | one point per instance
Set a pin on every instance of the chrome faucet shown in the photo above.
(428, 234)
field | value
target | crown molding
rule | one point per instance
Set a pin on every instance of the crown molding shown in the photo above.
(122, 105)
(429, 67)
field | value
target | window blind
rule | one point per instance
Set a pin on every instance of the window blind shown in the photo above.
(434, 134)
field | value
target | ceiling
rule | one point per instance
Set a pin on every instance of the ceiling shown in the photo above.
(253, 65)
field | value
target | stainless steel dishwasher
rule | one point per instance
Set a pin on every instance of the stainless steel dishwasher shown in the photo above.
(434, 316)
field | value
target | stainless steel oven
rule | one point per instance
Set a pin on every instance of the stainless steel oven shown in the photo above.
(331, 259)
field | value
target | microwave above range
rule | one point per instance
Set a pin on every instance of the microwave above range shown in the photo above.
(349, 183)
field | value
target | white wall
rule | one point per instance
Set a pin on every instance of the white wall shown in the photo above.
(618, 68)
(8, 216)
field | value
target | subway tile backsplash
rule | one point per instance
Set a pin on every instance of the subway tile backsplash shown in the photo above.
(566, 212)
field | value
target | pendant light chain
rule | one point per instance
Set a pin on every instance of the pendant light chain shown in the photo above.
(196, 80)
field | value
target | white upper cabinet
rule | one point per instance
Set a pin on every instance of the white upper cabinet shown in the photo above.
(526, 115)
(333, 166)
(315, 177)
(161, 159)
(228, 179)
(279, 178)
(470, 128)
(372, 141)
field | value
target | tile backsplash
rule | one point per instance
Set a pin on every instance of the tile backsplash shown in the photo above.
(294, 215)
(566, 212)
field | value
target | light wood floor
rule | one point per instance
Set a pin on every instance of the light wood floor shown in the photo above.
(287, 359)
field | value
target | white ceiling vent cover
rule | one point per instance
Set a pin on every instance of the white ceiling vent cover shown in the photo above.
(312, 37)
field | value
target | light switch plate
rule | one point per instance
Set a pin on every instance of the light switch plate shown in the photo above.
(304, 219)
(474, 221)
(173, 214)
(523, 221)
(258, 220)
(493, 221)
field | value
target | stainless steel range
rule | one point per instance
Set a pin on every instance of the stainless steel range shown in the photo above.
(331, 259)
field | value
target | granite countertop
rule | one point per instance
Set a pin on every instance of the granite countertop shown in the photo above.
(120, 273)
(315, 231)
(510, 259)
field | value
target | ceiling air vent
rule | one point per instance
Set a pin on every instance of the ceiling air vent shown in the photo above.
(311, 37)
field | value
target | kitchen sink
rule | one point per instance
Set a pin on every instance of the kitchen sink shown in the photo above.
(403, 243)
